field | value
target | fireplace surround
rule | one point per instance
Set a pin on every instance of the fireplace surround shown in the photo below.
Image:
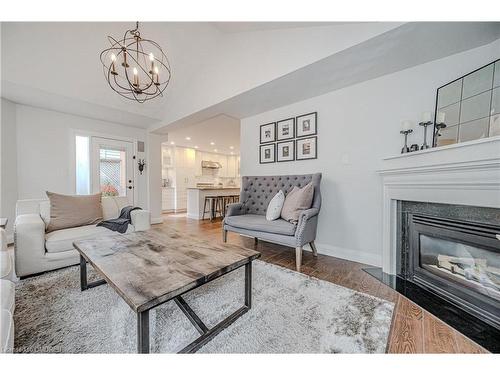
(459, 183)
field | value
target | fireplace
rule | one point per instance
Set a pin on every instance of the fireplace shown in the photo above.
(453, 251)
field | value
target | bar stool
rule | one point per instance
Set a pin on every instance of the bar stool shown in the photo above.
(211, 200)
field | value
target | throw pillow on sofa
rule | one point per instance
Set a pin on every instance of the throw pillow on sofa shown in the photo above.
(296, 201)
(69, 211)
(274, 208)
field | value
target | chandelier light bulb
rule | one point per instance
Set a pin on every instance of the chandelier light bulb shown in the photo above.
(135, 71)
(113, 57)
(151, 56)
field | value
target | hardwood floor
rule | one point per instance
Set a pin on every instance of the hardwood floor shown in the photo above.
(413, 330)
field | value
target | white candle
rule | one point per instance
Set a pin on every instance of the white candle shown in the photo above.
(136, 78)
(406, 125)
(440, 117)
(426, 116)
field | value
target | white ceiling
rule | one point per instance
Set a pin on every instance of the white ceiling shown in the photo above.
(238, 27)
(239, 69)
(222, 130)
(56, 65)
(404, 47)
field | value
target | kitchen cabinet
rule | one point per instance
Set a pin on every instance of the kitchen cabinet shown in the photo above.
(168, 199)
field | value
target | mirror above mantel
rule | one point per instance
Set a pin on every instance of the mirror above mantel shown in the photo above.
(470, 106)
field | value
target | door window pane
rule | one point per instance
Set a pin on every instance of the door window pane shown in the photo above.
(82, 158)
(112, 175)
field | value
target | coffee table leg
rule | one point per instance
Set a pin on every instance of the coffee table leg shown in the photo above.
(143, 332)
(248, 285)
(83, 273)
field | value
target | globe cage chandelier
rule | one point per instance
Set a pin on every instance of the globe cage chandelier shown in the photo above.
(136, 68)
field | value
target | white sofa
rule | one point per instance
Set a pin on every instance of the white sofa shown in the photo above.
(37, 251)
(7, 294)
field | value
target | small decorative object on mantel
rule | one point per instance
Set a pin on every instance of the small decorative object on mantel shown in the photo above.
(426, 121)
(267, 153)
(440, 116)
(307, 148)
(268, 132)
(413, 147)
(406, 128)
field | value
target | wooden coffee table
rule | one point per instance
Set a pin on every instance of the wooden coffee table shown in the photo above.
(150, 268)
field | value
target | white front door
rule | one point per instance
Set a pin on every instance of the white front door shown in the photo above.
(113, 167)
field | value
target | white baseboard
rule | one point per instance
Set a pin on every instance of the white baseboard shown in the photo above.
(156, 220)
(349, 254)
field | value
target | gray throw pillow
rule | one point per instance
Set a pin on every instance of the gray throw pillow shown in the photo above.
(69, 211)
(296, 201)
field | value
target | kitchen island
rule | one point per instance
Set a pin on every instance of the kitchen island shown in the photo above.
(196, 199)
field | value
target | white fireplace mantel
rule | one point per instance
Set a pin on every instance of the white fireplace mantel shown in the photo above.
(465, 173)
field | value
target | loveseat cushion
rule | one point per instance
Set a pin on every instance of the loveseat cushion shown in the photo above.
(6, 264)
(260, 224)
(62, 240)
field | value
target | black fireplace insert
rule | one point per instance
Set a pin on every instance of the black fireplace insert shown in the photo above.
(458, 260)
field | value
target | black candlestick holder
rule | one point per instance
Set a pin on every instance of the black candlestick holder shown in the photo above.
(425, 125)
(406, 149)
(438, 127)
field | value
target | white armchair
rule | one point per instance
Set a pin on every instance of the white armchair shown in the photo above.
(37, 251)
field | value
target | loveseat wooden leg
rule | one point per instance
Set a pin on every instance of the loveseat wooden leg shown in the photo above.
(313, 248)
(224, 235)
(255, 241)
(298, 258)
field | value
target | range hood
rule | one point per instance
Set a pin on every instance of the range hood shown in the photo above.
(211, 164)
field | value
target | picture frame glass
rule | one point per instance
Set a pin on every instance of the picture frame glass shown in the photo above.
(306, 125)
(286, 151)
(267, 133)
(267, 153)
(286, 129)
(307, 148)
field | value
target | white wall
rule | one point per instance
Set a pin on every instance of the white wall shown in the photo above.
(8, 164)
(357, 127)
(45, 150)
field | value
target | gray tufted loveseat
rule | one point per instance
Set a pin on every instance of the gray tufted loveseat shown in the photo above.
(249, 216)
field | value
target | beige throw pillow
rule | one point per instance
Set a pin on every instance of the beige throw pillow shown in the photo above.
(68, 211)
(296, 201)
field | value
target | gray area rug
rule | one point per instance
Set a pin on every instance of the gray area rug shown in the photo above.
(291, 313)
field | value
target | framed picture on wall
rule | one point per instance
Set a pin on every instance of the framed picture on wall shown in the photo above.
(285, 129)
(286, 151)
(307, 125)
(267, 153)
(268, 133)
(307, 148)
